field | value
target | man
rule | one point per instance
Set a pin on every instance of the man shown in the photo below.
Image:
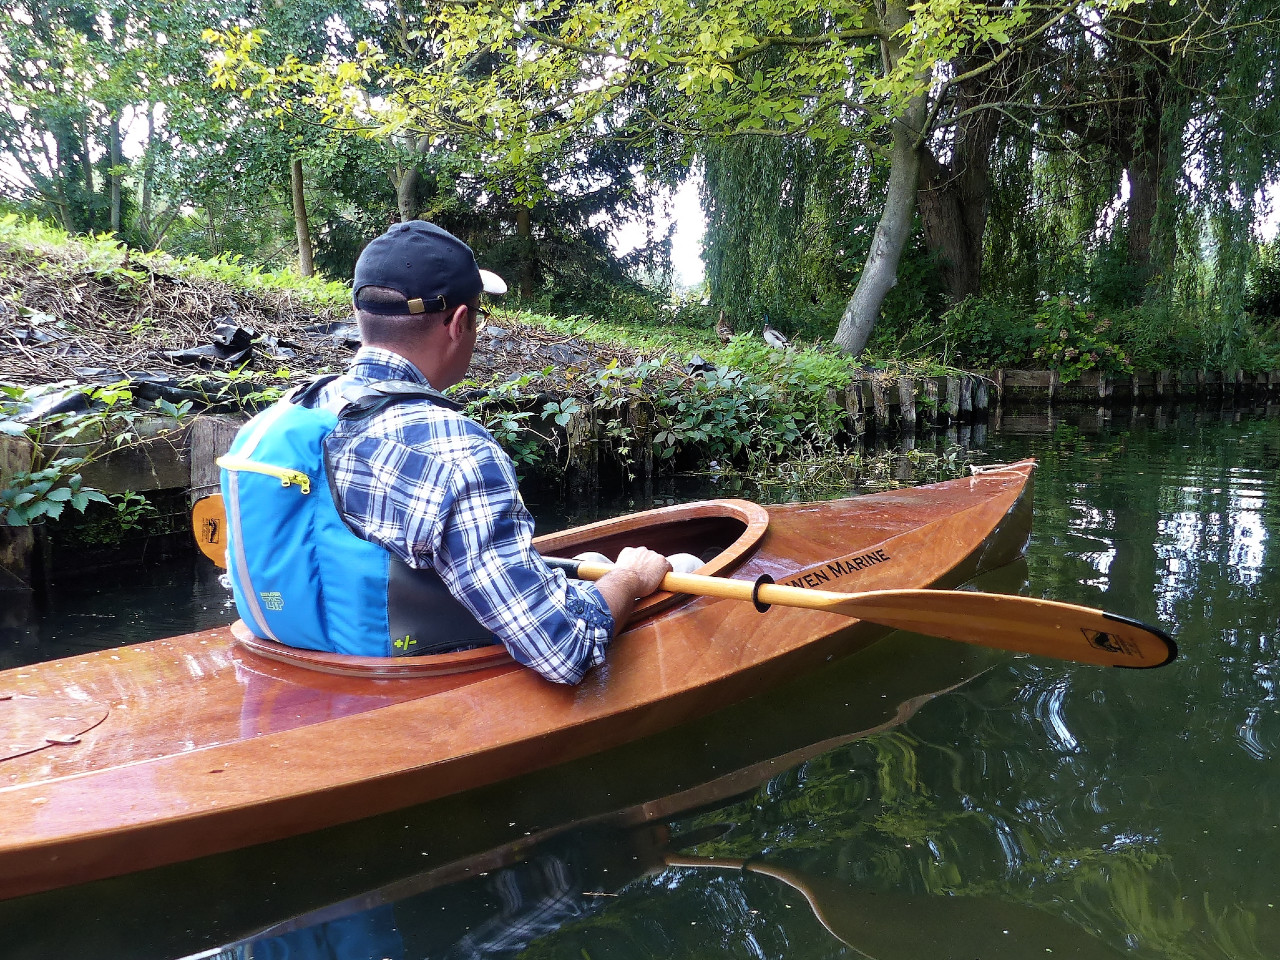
(367, 515)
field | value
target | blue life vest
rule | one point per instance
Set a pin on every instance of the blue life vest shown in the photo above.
(299, 574)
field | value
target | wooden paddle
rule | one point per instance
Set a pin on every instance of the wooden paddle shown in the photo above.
(1021, 624)
(209, 524)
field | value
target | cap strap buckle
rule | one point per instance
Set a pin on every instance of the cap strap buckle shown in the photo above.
(418, 305)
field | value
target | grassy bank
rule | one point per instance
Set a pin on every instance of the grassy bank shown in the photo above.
(101, 336)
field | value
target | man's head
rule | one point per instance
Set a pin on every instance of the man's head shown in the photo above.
(416, 291)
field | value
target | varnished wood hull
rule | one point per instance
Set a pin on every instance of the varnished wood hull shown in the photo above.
(207, 747)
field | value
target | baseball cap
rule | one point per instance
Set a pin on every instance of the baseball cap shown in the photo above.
(432, 268)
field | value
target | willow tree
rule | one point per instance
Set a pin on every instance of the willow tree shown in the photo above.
(1136, 161)
(525, 85)
(1180, 99)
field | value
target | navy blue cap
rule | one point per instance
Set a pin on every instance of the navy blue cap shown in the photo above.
(432, 268)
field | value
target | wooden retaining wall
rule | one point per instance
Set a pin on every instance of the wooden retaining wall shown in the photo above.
(1150, 386)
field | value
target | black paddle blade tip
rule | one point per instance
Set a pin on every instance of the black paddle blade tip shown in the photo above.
(1171, 646)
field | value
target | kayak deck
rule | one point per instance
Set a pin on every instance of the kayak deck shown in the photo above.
(206, 746)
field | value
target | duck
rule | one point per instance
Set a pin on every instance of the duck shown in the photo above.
(774, 337)
(724, 329)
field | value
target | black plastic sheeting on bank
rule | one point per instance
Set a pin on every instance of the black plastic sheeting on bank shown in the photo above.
(204, 393)
(230, 346)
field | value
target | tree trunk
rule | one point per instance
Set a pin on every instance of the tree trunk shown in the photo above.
(407, 179)
(1150, 188)
(1143, 193)
(953, 227)
(114, 177)
(955, 199)
(145, 218)
(880, 274)
(407, 193)
(524, 230)
(306, 261)
(212, 232)
(86, 166)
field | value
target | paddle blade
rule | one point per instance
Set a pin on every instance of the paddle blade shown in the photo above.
(209, 524)
(1023, 624)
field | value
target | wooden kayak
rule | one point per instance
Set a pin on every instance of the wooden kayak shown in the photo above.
(197, 907)
(123, 760)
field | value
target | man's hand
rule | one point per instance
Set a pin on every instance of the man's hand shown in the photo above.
(637, 572)
(649, 566)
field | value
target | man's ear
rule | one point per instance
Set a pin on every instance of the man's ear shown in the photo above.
(456, 323)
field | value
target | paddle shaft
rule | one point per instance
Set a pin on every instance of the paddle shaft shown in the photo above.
(1019, 624)
(1006, 622)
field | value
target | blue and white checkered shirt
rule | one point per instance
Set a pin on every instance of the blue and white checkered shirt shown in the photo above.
(436, 490)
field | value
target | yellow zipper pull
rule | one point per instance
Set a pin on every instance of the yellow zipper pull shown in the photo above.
(294, 476)
(286, 476)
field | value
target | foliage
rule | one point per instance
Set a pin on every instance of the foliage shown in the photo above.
(499, 410)
(767, 414)
(789, 226)
(33, 495)
(1071, 336)
(1263, 299)
(811, 91)
(1073, 339)
(25, 239)
(546, 225)
(89, 423)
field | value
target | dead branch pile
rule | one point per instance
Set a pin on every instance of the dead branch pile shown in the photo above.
(62, 319)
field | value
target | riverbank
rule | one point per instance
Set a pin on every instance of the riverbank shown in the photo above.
(125, 375)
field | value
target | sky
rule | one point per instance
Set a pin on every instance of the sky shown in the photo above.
(686, 243)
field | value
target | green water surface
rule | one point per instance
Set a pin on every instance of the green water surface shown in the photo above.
(1024, 808)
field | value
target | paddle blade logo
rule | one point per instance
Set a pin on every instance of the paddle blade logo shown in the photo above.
(211, 531)
(1111, 643)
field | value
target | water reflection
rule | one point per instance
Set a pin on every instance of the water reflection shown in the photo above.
(566, 894)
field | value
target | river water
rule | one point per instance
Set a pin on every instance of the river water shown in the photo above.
(919, 800)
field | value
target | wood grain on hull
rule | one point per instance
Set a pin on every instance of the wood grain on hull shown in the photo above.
(209, 748)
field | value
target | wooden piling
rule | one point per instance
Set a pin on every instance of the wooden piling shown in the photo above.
(953, 398)
(907, 403)
(639, 419)
(981, 397)
(880, 402)
(854, 409)
(210, 438)
(930, 400)
(17, 544)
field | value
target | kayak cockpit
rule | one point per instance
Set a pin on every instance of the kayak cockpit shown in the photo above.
(722, 533)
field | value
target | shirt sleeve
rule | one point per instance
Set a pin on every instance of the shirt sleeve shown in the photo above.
(556, 626)
(454, 506)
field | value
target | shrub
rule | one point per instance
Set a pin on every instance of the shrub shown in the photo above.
(1072, 338)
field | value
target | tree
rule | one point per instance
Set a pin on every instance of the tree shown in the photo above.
(1136, 143)
(547, 210)
(64, 68)
(853, 74)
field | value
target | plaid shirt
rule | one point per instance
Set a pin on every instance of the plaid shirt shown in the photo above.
(435, 489)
